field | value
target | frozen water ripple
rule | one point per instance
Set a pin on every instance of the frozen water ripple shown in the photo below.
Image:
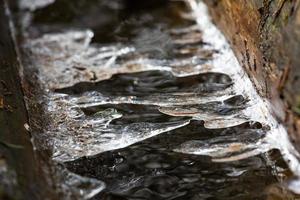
(198, 78)
(95, 134)
(105, 97)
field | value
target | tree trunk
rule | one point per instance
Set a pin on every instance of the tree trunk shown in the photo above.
(265, 36)
(25, 178)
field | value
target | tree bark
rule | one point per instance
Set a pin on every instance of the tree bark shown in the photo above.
(15, 140)
(265, 35)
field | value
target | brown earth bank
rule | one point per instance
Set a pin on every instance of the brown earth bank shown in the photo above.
(265, 36)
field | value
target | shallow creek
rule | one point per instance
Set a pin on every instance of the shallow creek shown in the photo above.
(146, 100)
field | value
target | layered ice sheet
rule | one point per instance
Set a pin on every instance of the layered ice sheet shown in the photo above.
(107, 96)
(195, 74)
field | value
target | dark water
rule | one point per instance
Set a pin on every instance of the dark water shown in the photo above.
(153, 82)
(151, 169)
(113, 21)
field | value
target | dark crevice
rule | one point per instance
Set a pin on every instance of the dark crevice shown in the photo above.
(134, 113)
(153, 82)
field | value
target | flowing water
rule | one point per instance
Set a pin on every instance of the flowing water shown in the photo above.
(146, 100)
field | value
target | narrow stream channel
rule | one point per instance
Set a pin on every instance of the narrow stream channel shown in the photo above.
(146, 100)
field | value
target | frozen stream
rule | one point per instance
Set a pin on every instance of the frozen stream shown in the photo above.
(147, 101)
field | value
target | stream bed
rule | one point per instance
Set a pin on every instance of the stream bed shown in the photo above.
(146, 101)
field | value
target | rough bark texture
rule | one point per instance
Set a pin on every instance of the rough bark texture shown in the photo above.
(265, 35)
(15, 145)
